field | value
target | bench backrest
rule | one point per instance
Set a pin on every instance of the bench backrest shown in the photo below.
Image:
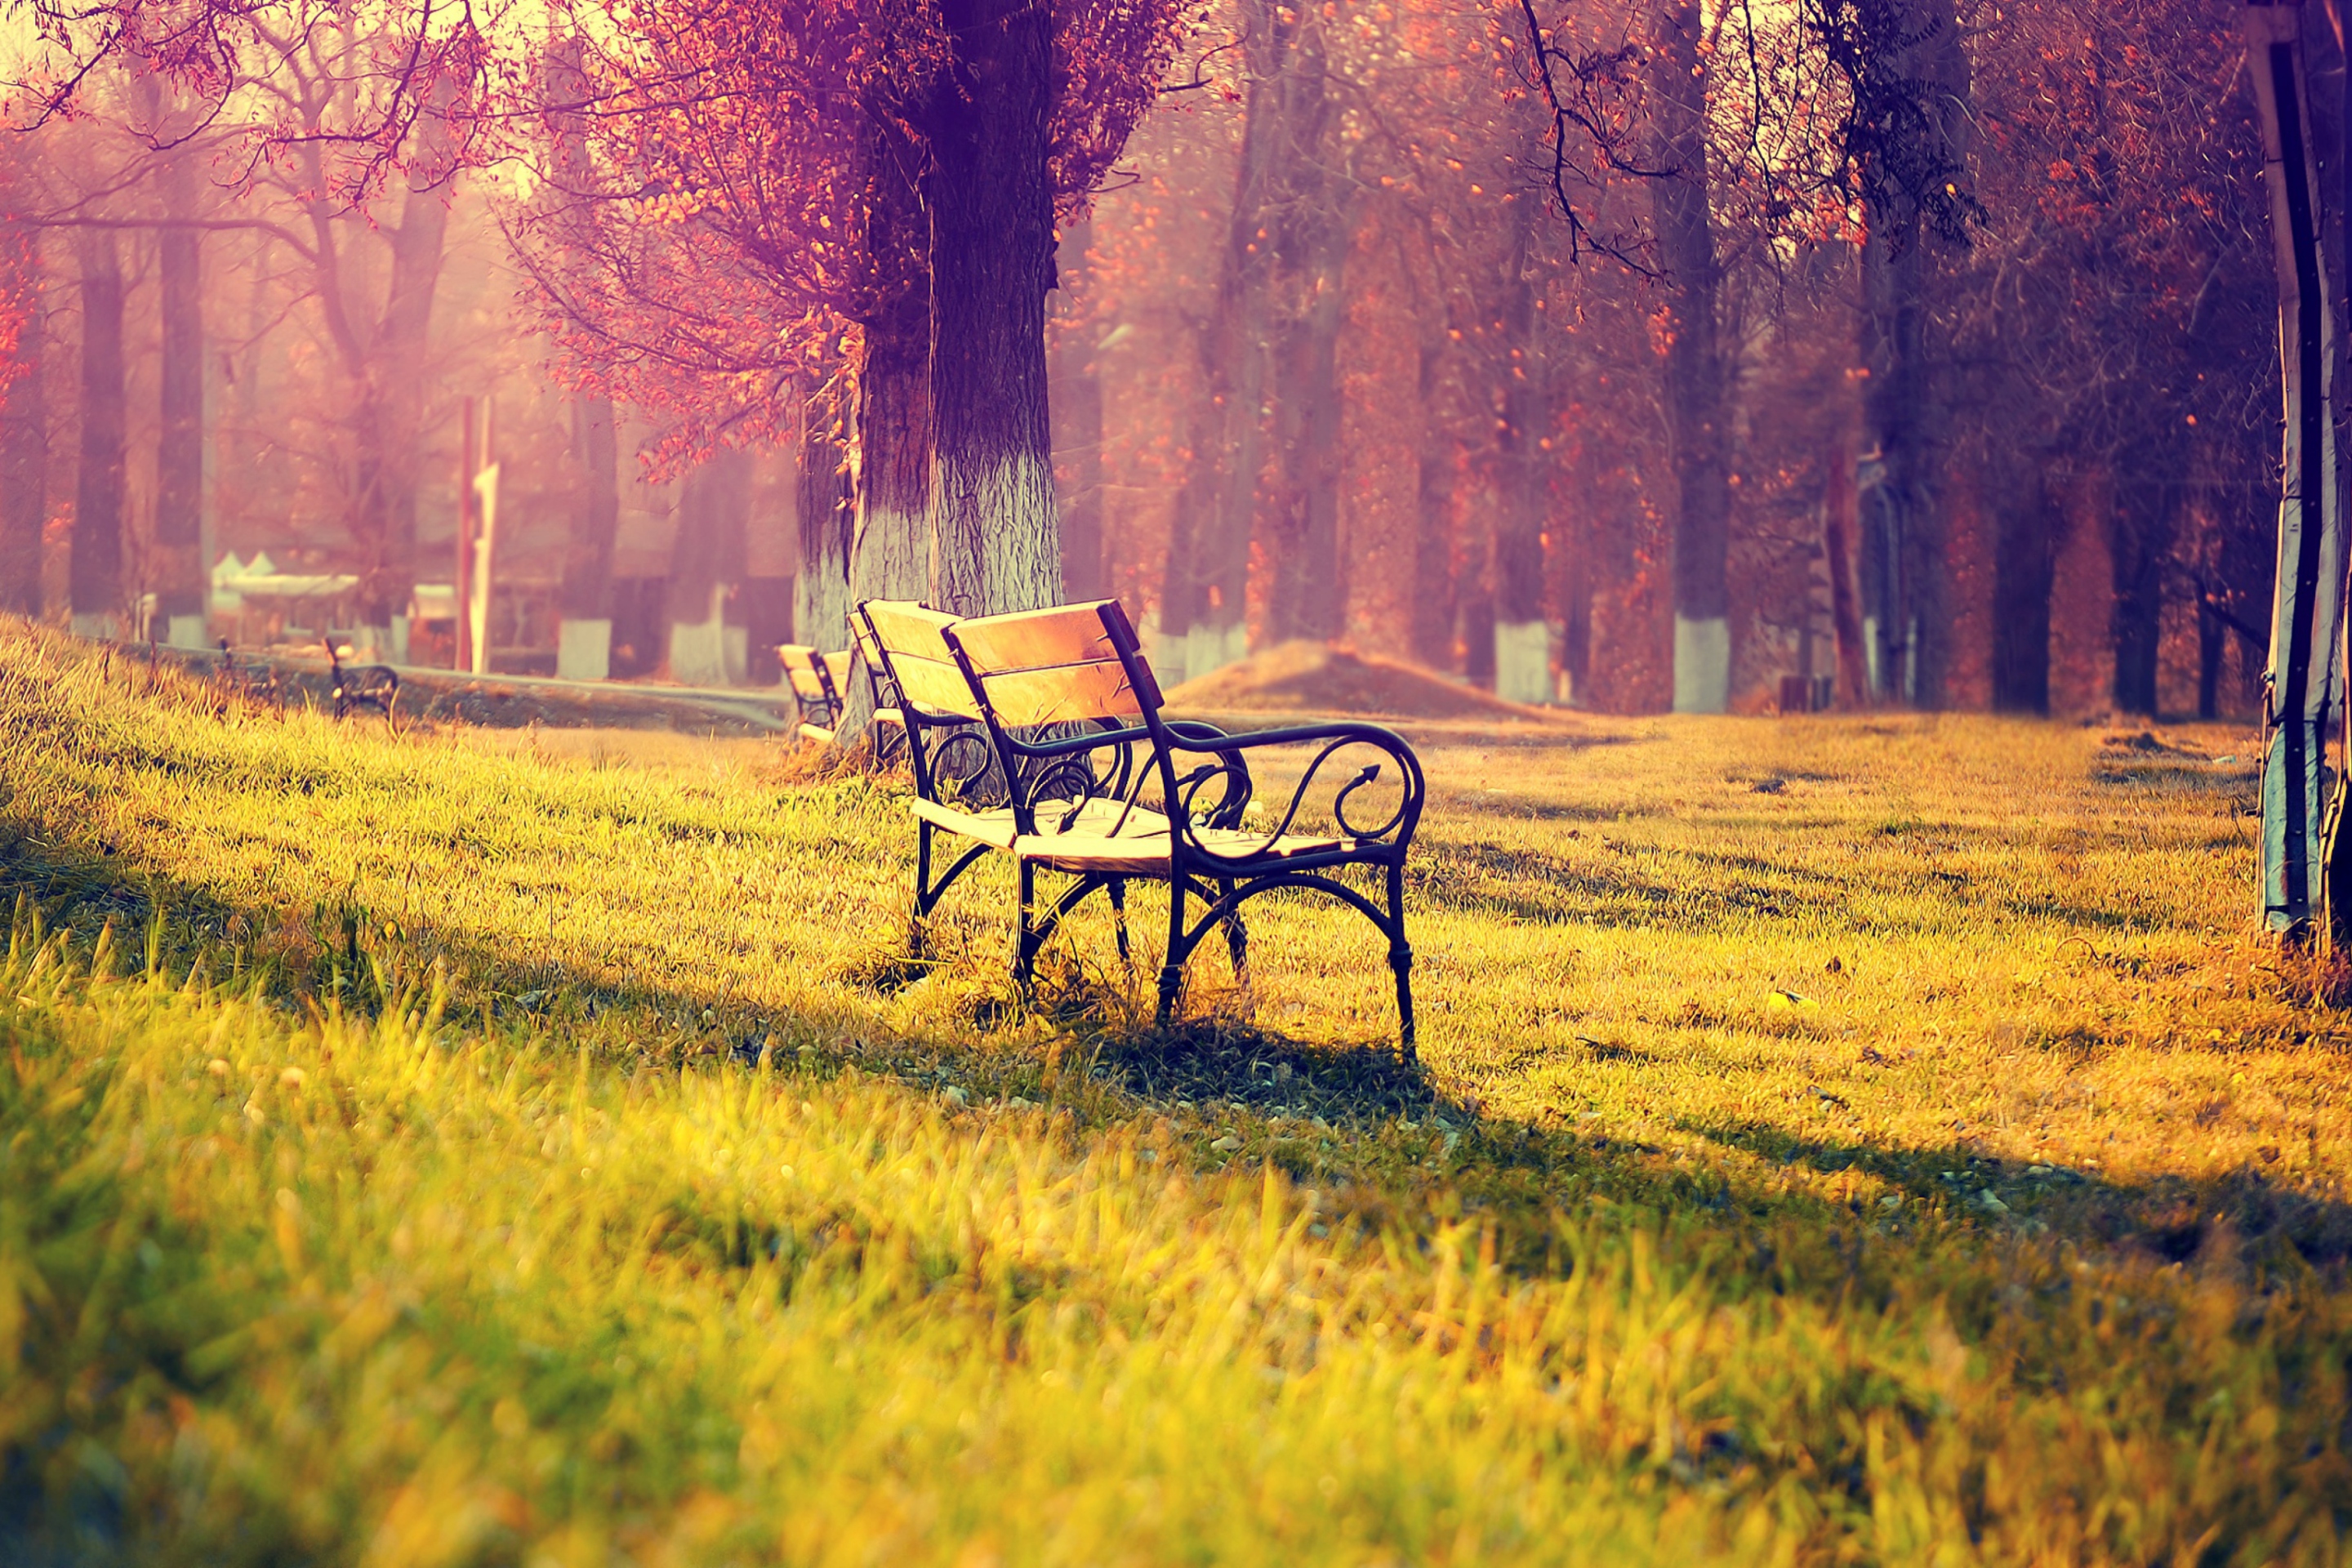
(1050, 666)
(815, 680)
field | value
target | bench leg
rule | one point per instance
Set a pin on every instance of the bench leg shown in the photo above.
(1171, 972)
(918, 927)
(1401, 960)
(1236, 935)
(1024, 936)
(1119, 916)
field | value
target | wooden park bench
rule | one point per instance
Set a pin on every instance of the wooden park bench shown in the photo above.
(820, 686)
(816, 679)
(1040, 735)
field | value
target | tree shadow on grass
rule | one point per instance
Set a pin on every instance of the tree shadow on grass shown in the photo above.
(1356, 1120)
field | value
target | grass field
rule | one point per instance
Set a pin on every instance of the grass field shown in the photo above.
(1878, 1140)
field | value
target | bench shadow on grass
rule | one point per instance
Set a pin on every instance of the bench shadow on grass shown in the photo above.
(1355, 1120)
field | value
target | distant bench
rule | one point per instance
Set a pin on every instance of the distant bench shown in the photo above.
(820, 686)
(1041, 736)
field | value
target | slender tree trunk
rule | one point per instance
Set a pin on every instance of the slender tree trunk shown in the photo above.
(96, 588)
(1522, 636)
(398, 395)
(24, 429)
(1309, 596)
(1077, 405)
(2025, 561)
(1906, 410)
(1695, 391)
(1841, 532)
(583, 644)
(991, 206)
(821, 594)
(1434, 478)
(584, 649)
(706, 560)
(1204, 603)
(2140, 545)
(179, 566)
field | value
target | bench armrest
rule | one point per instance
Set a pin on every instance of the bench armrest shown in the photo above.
(1334, 737)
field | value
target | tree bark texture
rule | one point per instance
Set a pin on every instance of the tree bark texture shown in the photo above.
(997, 529)
(821, 506)
(24, 433)
(1077, 408)
(179, 574)
(95, 579)
(1694, 370)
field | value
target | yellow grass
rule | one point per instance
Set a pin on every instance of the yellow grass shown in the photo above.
(463, 1149)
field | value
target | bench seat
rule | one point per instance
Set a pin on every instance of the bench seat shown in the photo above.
(1144, 852)
(996, 827)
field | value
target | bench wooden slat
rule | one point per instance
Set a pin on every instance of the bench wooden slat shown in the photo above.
(906, 627)
(1068, 633)
(1071, 693)
(1145, 855)
(1097, 818)
(933, 684)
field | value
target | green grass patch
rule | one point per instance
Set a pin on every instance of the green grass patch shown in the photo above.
(442, 1148)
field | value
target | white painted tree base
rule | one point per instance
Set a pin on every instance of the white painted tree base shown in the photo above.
(100, 623)
(1208, 649)
(708, 653)
(186, 632)
(1523, 661)
(1702, 666)
(583, 650)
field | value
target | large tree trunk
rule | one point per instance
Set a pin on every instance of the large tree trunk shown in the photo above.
(583, 647)
(1695, 400)
(95, 580)
(1077, 407)
(179, 565)
(1522, 636)
(24, 430)
(992, 205)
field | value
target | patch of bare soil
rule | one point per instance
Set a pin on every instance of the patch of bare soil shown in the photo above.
(1317, 678)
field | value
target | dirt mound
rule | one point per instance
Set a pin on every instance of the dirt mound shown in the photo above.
(1315, 678)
